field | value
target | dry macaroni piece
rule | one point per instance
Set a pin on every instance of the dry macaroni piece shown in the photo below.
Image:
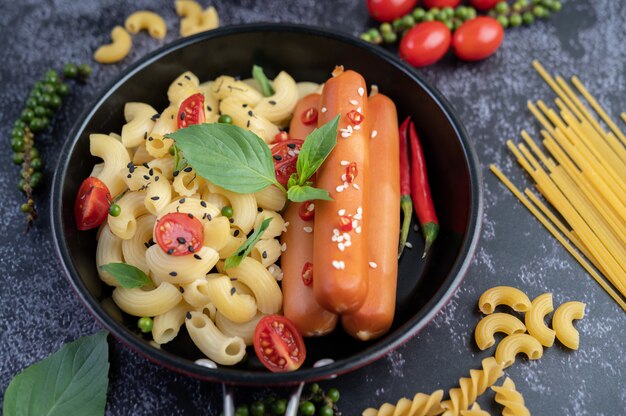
(562, 323)
(514, 344)
(116, 50)
(503, 295)
(541, 306)
(194, 19)
(146, 20)
(496, 322)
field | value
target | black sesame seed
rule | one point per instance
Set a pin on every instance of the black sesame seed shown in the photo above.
(191, 249)
(264, 254)
(180, 84)
(145, 165)
(145, 135)
(131, 169)
(190, 215)
(232, 291)
(150, 138)
(155, 117)
(188, 169)
(170, 251)
(151, 172)
(182, 115)
(173, 274)
(182, 290)
(182, 200)
(175, 174)
(231, 220)
(278, 157)
(203, 204)
(130, 165)
(204, 215)
(259, 209)
(244, 105)
(181, 240)
(146, 177)
(236, 233)
(250, 113)
(129, 176)
(272, 102)
(188, 315)
(156, 178)
(195, 256)
(188, 77)
(147, 244)
(208, 107)
(208, 217)
(155, 198)
(232, 279)
(291, 145)
(172, 116)
(248, 124)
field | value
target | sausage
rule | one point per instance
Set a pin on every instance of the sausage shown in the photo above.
(340, 249)
(374, 318)
(297, 129)
(299, 304)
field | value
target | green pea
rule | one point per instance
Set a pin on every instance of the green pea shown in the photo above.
(145, 324)
(385, 28)
(408, 21)
(36, 179)
(333, 395)
(225, 119)
(34, 153)
(51, 76)
(18, 158)
(366, 37)
(326, 411)
(227, 211)
(62, 89)
(17, 132)
(27, 115)
(36, 164)
(540, 11)
(418, 14)
(515, 20)
(390, 37)
(257, 409)
(39, 111)
(307, 408)
(502, 7)
(84, 70)
(48, 88)
(17, 144)
(26, 208)
(115, 210)
(279, 407)
(70, 70)
(528, 18)
(242, 411)
(55, 102)
(503, 20)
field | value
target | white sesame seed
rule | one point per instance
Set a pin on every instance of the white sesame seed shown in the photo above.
(354, 102)
(340, 239)
(409, 245)
(341, 212)
(343, 177)
(361, 91)
(336, 264)
(346, 184)
(291, 153)
(357, 230)
(286, 224)
(374, 134)
(344, 163)
(355, 223)
(346, 236)
(356, 186)
(283, 248)
(359, 210)
(358, 109)
(347, 243)
(297, 151)
(323, 109)
(339, 188)
(341, 247)
(308, 229)
(357, 127)
(333, 238)
(358, 216)
(346, 134)
(373, 265)
(311, 207)
(416, 228)
(336, 231)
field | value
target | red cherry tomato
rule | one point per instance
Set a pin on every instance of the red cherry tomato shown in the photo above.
(441, 3)
(307, 211)
(285, 156)
(309, 116)
(191, 111)
(307, 273)
(92, 204)
(484, 4)
(387, 10)
(425, 43)
(477, 38)
(281, 136)
(278, 344)
(179, 234)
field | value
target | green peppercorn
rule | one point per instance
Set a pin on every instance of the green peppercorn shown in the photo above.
(31, 102)
(18, 158)
(227, 211)
(17, 144)
(26, 208)
(326, 411)
(257, 409)
(38, 124)
(540, 11)
(366, 37)
(429, 16)
(17, 132)
(333, 395)
(48, 88)
(408, 21)
(45, 100)
(556, 5)
(22, 185)
(51, 76)
(396, 24)
(55, 102)
(385, 28)
(449, 24)
(503, 20)
(36, 179)
(36, 164)
(279, 407)
(515, 20)
(62, 89)
(242, 411)
(35, 95)
(434, 10)
(84, 70)
(315, 388)
(70, 70)
(34, 153)
(19, 124)
(145, 324)
(471, 13)
(456, 23)
(390, 37)
(115, 210)
(448, 12)
(418, 14)
(38, 86)
(225, 119)
(502, 7)
(27, 115)
(528, 18)
(39, 111)
(441, 16)
(307, 408)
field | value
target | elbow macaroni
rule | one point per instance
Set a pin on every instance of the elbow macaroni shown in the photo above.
(116, 50)
(139, 302)
(496, 322)
(279, 107)
(218, 347)
(514, 344)
(146, 20)
(138, 123)
(534, 318)
(503, 295)
(115, 157)
(562, 323)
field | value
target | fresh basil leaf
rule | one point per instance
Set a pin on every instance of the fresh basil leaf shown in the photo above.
(315, 149)
(231, 157)
(293, 180)
(301, 193)
(235, 259)
(261, 79)
(128, 276)
(72, 381)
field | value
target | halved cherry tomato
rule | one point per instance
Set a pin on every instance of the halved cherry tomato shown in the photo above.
(179, 233)
(441, 3)
(484, 4)
(425, 43)
(281, 136)
(387, 10)
(309, 116)
(477, 38)
(279, 344)
(285, 156)
(307, 210)
(92, 203)
(307, 273)
(191, 111)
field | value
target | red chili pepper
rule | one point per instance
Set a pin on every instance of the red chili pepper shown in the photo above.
(345, 223)
(351, 172)
(307, 274)
(355, 117)
(420, 192)
(405, 185)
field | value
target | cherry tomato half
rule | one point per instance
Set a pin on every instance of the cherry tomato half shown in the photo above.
(387, 10)
(92, 203)
(307, 210)
(279, 344)
(191, 111)
(179, 233)
(285, 155)
(441, 3)
(425, 43)
(484, 4)
(309, 116)
(477, 38)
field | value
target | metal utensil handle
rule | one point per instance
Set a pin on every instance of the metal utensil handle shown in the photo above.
(228, 394)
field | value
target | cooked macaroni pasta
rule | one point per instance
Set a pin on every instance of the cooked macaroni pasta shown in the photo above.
(212, 342)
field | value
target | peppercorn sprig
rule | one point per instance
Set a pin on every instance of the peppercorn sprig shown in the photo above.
(45, 97)
(522, 11)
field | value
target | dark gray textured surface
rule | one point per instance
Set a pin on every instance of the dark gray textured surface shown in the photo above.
(39, 312)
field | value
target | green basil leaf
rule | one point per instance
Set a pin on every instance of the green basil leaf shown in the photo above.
(231, 157)
(293, 180)
(235, 259)
(316, 148)
(301, 193)
(261, 79)
(128, 276)
(72, 381)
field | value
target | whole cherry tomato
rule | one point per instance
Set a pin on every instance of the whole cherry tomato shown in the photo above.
(179, 234)
(484, 4)
(278, 344)
(425, 43)
(92, 203)
(387, 10)
(441, 3)
(477, 38)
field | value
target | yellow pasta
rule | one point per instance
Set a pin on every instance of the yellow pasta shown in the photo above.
(200, 209)
(138, 123)
(496, 322)
(216, 233)
(158, 195)
(109, 250)
(117, 49)
(475, 410)
(541, 306)
(115, 157)
(244, 330)
(226, 87)
(180, 269)
(186, 182)
(134, 249)
(245, 117)
(139, 302)
(511, 399)
(470, 388)
(211, 103)
(266, 252)
(271, 198)
(562, 323)
(514, 344)
(306, 88)
(503, 295)
(196, 293)
(234, 240)
(182, 87)
(218, 347)
(165, 326)
(266, 291)
(146, 20)
(278, 108)
(421, 405)
(235, 306)
(132, 207)
(244, 207)
(275, 227)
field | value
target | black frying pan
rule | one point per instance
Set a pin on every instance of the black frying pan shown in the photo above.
(308, 54)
